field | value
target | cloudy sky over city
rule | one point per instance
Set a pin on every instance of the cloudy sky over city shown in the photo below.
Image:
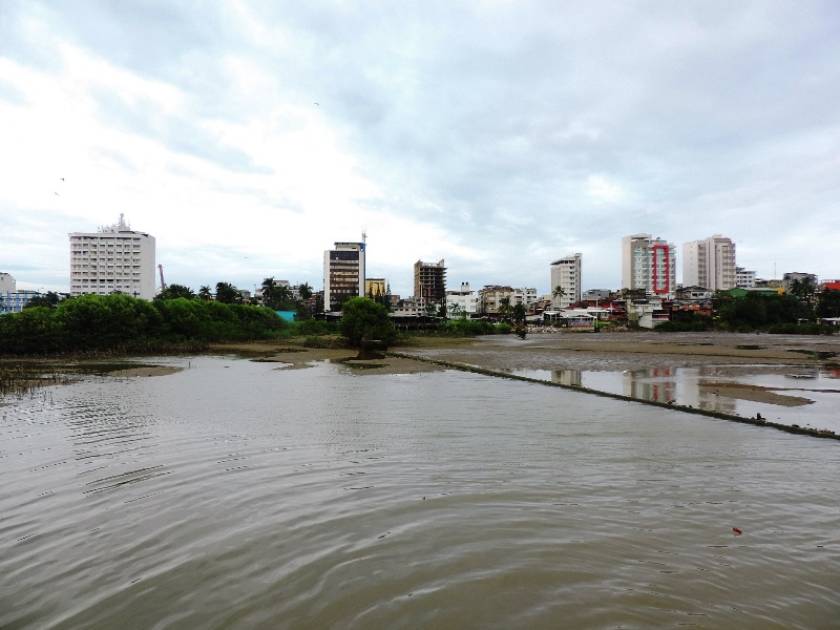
(247, 137)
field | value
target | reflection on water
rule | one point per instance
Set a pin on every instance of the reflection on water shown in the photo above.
(237, 495)
(695, 387)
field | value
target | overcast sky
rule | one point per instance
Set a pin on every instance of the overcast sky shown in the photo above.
(247, 137)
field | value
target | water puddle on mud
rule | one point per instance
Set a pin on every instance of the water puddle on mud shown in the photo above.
(803, 395)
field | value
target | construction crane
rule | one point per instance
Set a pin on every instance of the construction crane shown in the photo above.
(162, 281)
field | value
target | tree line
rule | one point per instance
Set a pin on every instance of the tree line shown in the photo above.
(121, 322)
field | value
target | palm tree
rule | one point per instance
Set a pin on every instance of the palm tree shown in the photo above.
(559, 292)
(305, 291)
(205, 293)
(504, 307)
(267, 290)
(227, 293)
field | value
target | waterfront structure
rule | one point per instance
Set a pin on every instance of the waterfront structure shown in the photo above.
(744, 279)
(115, 259)
(565, 276)
(8, 284)
(710, 263)
(463, 300)
(376, 288)
(344, 274)
(648, 264)
(430, 281)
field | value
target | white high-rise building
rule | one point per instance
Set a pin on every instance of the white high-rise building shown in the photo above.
(710, 263)
(116, 259)
(649, 264)
(344, 274)
(7, 283)
(565, 275)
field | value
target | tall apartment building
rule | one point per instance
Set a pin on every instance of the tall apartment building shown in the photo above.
(649, 264)
(710, 263)
(344, 274)
(744, 279)
(8, 284)
(565, 275)
(116, 259)
(430, 281)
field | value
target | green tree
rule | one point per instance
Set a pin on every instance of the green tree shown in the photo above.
(49, 300)
(559, 292)
(365, 323)
(829, 304)
(175, 291)
(305, 291)
(505, 308)
(205, 293)
(226, 293)
(519, 313)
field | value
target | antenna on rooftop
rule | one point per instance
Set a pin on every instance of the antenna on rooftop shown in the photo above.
(364, 235)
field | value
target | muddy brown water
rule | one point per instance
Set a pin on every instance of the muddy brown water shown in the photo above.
(234, 494)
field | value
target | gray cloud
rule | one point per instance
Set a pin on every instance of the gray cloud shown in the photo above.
(489, 120)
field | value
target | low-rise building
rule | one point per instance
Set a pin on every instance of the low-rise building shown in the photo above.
(16, 301)
(744, 278)
(463, 300)
(761, 283)
(491, 297)
(789, 280)
(596, 295)
(648, 313)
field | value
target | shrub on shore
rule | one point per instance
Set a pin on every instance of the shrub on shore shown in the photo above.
(121, 322)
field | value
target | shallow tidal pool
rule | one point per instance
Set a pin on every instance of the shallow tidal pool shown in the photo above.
(236, 494)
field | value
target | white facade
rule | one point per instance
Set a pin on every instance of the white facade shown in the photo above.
(744, 279)
(649, 264)
(565, 274)
(115, 259)
(7, 283)
(710, 263)
(344, 274)
(464, 300)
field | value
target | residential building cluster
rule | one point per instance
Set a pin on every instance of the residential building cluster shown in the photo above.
(117, 259)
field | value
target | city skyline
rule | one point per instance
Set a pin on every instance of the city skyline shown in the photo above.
(248, 139)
